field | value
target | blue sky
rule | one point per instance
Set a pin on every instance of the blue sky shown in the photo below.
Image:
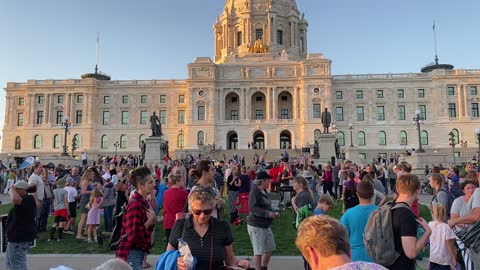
(148, 39)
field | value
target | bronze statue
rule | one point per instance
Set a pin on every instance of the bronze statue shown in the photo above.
(143, 148)
(337, 148)
(326, 120)
(316, 150)
(155, 125)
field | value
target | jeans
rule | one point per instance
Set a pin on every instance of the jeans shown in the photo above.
(16, 256)
(42, 215)
(135, 259)
(327, 187)
(435, 266)
(108, 217)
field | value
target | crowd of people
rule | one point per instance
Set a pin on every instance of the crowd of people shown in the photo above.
(190, 198)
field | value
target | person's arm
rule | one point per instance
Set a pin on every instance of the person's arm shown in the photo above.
(232, 260)
(411, 245)
(14, 196)
(450, 243)
(383, 200)
(150, 218)
(37, 201)
(294, 203)
(467, 219)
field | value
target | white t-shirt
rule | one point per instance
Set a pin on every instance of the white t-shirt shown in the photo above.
(438, 249)
(37, 180)
(71, 194)
(474, 201)
(84, 156)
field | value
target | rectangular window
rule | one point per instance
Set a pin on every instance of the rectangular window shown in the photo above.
(259, 114)
(106, 118)
(59, 117)
(21, 101)
(401, 93)
(39, 117)
(79, 99)
(201, 112)
(60, 99)
(234, 100)
(163, 117)
(452, 110)
(239, 38)
(451, 90)
(316, 110)
(181, 117)
(401, 112)
(338, 94)
(380, 113)
(40, 99)
(143, 99)
(181, 99)
(259, 99)
(125, 117)
(124, 99)
(475, 110)
(78, 117)
(284, 114)
(423, 111)
(284, 98)
(339, 113)
(258, 34)
(359, 94)
(163, 99)
(143, 117)
(279, 37)
(234, 115)
(106, 99)
(473, 90)
(20, 119)
(379, 93)
(421, 93)
(360, 113)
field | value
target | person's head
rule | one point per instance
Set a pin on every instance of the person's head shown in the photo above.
(320, 239)
(201, 202)
(368, 168)
(204, 170)
(472, 175)
(75, 170)
(88, 175)
(243, 170)
(37, 168)
(468, 187)
(365, 190)
(22, 188)
(299, 184)
(408, 184)
(274, 165)
(234, 170)
(96, 192)
(325, 203)
(436, 169)
(406, 167)
(262, 180)
(367, 178)
(114, 264)
(177, 163)
(455, 170)
(436, 181)
(439, 213)
(175, 178)
(141, 178)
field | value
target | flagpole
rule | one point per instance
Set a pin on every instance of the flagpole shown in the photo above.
(96, 65)
(435, 40)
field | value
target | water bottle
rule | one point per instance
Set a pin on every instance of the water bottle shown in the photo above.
(185, 253)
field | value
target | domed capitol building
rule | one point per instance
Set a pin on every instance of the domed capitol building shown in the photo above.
(261, 88)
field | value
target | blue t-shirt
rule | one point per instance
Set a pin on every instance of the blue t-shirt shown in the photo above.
(317, 212)
(355, 220)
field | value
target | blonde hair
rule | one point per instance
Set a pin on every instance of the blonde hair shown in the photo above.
(439, 213)
(303, 182)
(96, 192)
(408, 183)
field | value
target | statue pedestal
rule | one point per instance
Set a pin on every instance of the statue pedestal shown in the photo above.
(419, 160)
(326, 148)
(353, 154)
(153, 150)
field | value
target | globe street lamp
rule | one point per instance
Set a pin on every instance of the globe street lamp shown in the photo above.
(477, 132)
(66, 126)
(351, 129)
(452, 144)
(116, 144)
(417, 121)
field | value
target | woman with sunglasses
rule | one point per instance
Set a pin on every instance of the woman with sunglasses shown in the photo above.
(209, 239)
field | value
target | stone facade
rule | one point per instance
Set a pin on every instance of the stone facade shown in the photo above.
(267, 92)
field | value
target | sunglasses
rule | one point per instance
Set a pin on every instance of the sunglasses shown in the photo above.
(206, 212)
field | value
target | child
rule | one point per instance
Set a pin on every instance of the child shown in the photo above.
(93, 218)
(442, 240)
(60, 212)
(325, 204)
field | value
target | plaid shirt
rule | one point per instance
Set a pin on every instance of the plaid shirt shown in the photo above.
(134, 233)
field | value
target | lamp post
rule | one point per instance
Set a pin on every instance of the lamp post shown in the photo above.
(452, 144)
(180, 143)
(116, 144)
(351, 129)
(477, 132)
(66, 126)
(417, 121)
(464, 145)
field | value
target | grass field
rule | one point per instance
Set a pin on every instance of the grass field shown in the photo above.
(282, 229)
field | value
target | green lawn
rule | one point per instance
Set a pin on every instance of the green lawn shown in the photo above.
(282, 229)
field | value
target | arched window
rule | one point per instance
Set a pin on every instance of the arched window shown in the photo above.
(123, 141)
(455, 135)
(37, 142)
(361, 138)
(424, 137)
(341, 138)
(403, 138)
(141, 139)
(18, 143)
(382, 138)
(180, 141)
(201, 138)
(317, 134)
(104, 142)
(56, 141)
(78, 139)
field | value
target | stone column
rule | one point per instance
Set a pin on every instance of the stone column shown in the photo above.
(242, 104)
(295, 103)
(292, 34)
(30, 107)
(248, 103)
(274, 103)
(460, 101)
(465, 101)
(211, 107)
(268, 102)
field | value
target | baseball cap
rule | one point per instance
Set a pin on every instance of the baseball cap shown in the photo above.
(22, 185)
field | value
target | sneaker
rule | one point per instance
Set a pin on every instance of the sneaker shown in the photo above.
(50, 239)
(68, 232)
(59, 240)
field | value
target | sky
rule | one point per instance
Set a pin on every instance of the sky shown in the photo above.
(150, 39)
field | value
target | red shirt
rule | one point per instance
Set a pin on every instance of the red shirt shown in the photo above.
(133, 232)
(174, 201)
(274, 174)
(327, 176)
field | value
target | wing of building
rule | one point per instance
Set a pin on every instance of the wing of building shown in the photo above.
(262, 88)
